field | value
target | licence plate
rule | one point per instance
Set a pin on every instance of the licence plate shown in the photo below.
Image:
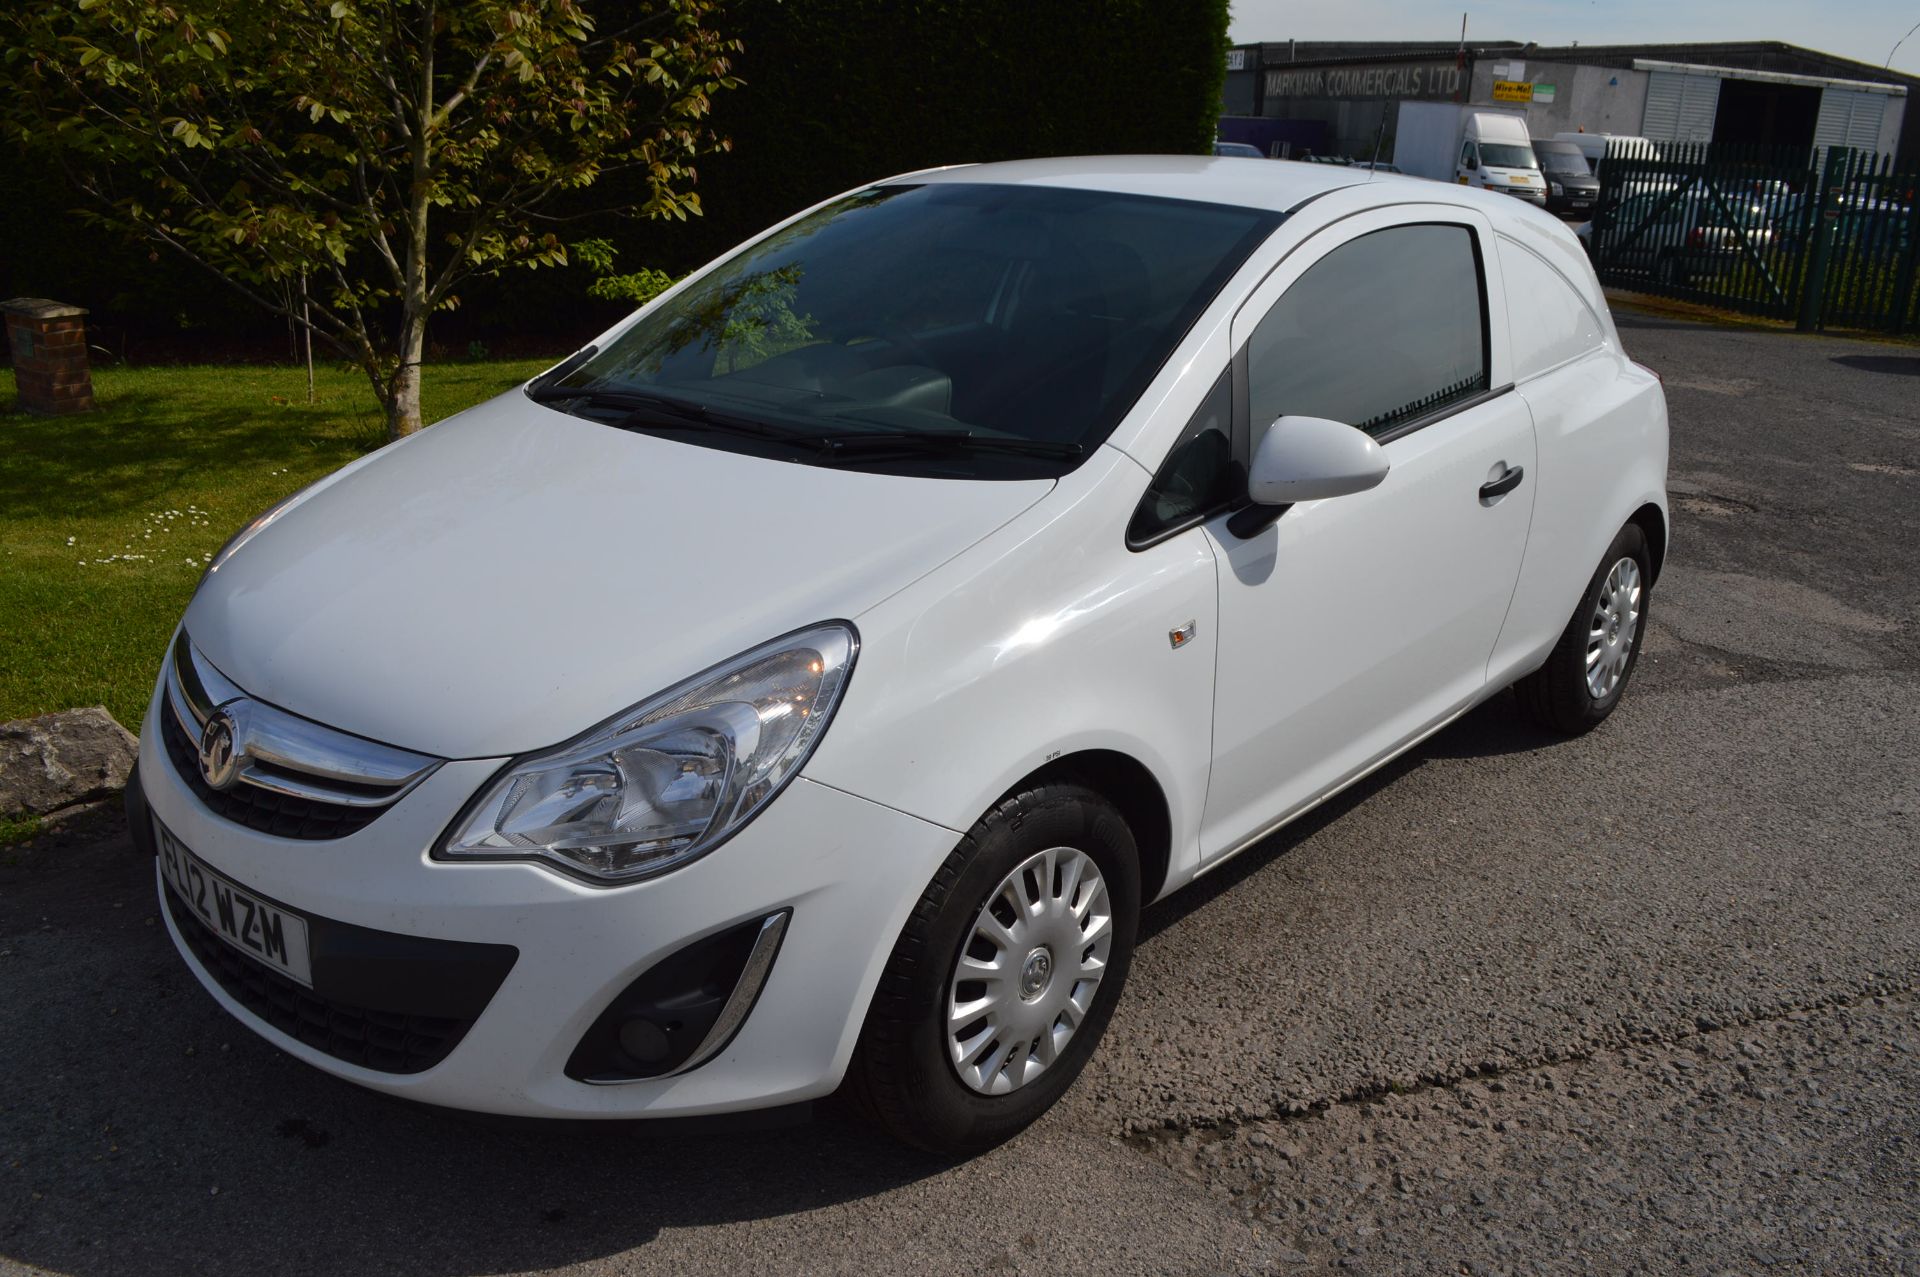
(264, 932)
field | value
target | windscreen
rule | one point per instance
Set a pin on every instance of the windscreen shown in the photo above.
(1504, 155)
(1562, 160)
(983, 313)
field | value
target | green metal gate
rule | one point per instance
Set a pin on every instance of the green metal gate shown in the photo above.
(1826, 241)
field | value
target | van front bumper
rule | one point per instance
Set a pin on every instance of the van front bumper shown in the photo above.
(527, 960)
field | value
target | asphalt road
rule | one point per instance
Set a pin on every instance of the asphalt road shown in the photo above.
(1640, 1001)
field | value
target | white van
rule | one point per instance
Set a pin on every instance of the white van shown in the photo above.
(1470, 146)
(1594, 146)
(809, 682)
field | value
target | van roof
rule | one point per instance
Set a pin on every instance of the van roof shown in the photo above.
(1279, 185)
(1271, 184)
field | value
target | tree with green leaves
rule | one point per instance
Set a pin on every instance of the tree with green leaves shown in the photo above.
(350, 167)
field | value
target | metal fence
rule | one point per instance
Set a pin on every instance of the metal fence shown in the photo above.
(1826, 240)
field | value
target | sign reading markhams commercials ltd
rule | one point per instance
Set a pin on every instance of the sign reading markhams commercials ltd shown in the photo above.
(1438, 80)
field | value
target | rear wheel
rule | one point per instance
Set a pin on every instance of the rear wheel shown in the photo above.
(1005, 975)
(1587, 672)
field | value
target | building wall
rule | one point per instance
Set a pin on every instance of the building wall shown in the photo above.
(1890, 126)
(1237, 93)
(1352, 125)
(1596, 99)
(1595, 88)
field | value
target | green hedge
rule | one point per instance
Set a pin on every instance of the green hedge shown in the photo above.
(837, 93)
(840, 92)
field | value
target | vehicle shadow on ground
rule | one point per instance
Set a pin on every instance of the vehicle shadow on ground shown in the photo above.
(1492, 729)
(142, 1131)
(1898, 365)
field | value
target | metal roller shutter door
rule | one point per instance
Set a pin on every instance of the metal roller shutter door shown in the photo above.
(1849, 118)
(1680, 107)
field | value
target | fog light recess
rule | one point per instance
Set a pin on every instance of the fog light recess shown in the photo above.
(684, 1009)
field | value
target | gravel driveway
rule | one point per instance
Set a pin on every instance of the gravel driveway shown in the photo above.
(1636, 1002)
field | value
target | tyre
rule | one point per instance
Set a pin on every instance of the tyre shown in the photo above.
(1588, 671)
(1005, 975)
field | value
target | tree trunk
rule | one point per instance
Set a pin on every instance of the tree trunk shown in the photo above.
(403, 390)
(403, 396)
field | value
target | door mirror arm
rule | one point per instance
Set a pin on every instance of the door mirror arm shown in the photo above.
(1251, 520)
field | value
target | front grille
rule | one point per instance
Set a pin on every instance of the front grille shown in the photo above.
(388, 1041)
(282, 815)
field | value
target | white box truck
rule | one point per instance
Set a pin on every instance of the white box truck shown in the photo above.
(1471, 145)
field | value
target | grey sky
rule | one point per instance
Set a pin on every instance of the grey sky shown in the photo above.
(1860, 29)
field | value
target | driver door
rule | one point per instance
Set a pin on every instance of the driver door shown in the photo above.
(1350, 626)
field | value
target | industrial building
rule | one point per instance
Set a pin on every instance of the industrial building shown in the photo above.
(1341, 98)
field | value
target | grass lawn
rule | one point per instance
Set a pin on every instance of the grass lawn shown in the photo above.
(107, 518)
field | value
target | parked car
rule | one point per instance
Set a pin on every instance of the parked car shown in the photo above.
(1242, 149)
(1772, 193)
(1378, 166)
(1572, 188)
(1861, 219)
(1679, 238)
(808, 683)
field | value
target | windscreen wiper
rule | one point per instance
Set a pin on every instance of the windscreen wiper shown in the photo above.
(664, 412)
(862, 442)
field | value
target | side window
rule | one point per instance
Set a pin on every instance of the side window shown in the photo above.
(1550, 322)
(1466, 156)
(1198, 475)
(1378, 333)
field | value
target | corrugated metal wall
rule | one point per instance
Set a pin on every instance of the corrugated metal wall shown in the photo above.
(1680, 107)
(1849, 118)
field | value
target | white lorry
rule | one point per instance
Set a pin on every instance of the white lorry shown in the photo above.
(1471, 145)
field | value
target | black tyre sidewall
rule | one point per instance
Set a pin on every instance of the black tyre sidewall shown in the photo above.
(931, 1106)
(1630, 542)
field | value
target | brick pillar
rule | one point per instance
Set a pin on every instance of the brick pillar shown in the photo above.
(48, 341)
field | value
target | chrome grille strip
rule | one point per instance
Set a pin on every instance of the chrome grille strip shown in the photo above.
(284, 753)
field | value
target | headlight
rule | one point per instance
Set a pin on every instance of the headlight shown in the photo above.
(1556, 188)
(672, 778)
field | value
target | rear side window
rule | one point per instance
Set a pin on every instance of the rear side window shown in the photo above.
(1550, 322)
(1379, 333)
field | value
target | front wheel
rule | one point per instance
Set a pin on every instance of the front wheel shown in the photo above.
(1005, 975)
(1587, 672)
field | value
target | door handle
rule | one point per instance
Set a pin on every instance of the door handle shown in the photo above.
(1503, 485)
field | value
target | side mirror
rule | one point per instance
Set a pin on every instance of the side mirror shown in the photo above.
(1312, 458)
(1306, 459)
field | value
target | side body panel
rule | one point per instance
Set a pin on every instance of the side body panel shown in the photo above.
(1050, 637)
(1601, 422)
(1354, 624)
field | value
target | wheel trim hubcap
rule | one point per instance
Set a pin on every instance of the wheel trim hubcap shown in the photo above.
(1028, 970)
(1614, 628)
(1036, 973)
